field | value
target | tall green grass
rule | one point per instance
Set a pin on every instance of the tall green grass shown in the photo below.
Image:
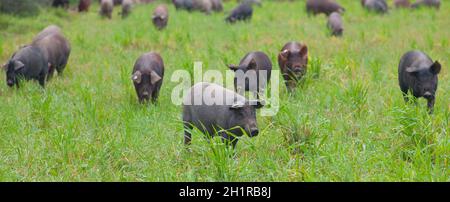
(347, 121)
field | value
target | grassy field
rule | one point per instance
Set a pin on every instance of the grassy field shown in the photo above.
(348, 122)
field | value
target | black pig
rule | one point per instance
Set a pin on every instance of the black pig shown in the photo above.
(402, 3)
(260, 64)
(217, 111)
(184, 4)
(126, 8)
(429, 3)
(106, 8)
(242, 12)
(148, 73)
(418, 73)
(379, 6)
(28, 63)
(60, 3)
(323, 6)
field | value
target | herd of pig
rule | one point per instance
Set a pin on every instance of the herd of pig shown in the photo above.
(236, 116)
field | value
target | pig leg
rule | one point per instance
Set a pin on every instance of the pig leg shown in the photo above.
(229, 140)
(290, 85)
(61, 67)
(234, 142)
(51, 71)
(42, 78)
(405, 94)
(155, 95)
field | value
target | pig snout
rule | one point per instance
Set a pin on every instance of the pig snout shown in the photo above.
(254, 132)
(252, 129)
(298, 70)
(146, 95)
(428, 95)
(10, 82)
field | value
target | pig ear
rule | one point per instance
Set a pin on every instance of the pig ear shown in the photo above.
(435, 68)
(304, 51)
(18, 65)
(154, 77)
(237, 105)
(257, 103)
(233, 67)
(252, 64)
(137, 77)
(412, 69)
(260, 104)
(285, 54)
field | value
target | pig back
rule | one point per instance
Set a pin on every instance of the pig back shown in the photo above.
(199, 106)
(262, 60)
(55, 48)
(150, 62)
(52, 29)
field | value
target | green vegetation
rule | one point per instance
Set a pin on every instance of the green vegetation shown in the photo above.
(347, 122)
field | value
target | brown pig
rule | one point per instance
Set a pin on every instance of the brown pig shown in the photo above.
(106, 8)
(160, 16)
(126, 8)
(335, 24)
(293, 61)
(83, 5)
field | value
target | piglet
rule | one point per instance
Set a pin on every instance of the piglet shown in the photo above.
(293, 61)
(402, 3)
(323, 6)
(126, 8)
(147, 76)
(106, 8)
(252, 74)
(28, 63)
(217, 111)
(243, 12)
(160, 17)
(418, 73)
(379, 6)
(83, 5)
(335, 24)
(430, 3)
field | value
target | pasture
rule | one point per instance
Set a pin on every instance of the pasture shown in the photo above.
(347, 121)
